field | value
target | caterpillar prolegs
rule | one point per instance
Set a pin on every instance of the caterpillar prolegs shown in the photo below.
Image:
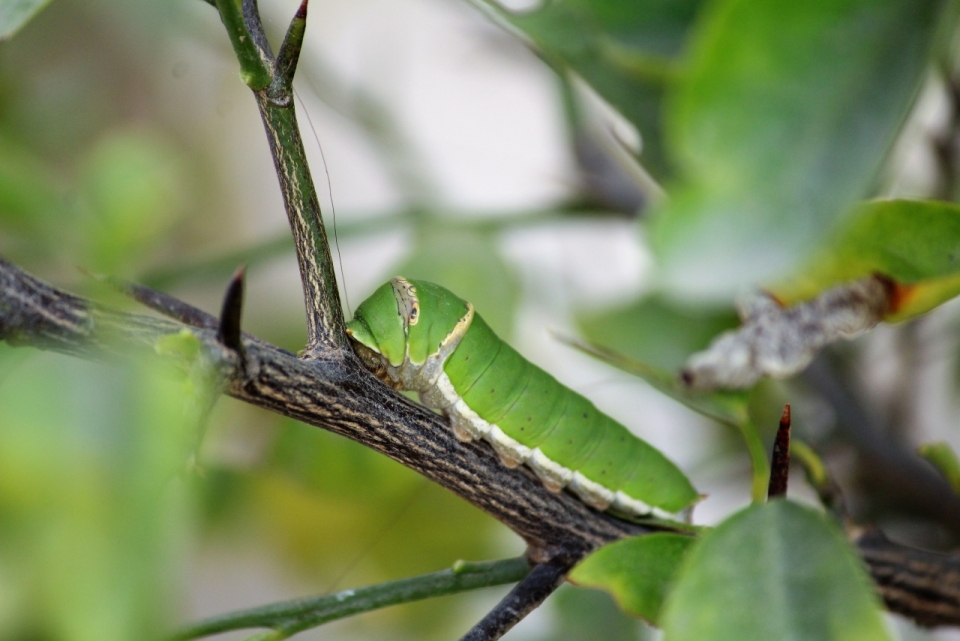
(423, 338)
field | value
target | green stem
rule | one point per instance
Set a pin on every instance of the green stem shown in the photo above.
(254, 71)
(325, 325)
(274, 93)
(758, 460)
(289, 617)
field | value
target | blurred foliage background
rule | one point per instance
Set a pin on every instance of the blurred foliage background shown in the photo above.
(460, 149)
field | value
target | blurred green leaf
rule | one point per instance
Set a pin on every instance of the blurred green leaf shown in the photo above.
(942, 457)
(727, 407)
(29, 190)
(780, 123)
(655, 331)
(590, 614)
(14, 14)
(315, 487)
(638, 571)
(90, 513)
(773, 571)
(623, 49)
(468, 263)
(133, 187)
(917, 243)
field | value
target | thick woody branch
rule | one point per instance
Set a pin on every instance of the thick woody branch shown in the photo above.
(337, 394)
(922, 585)
(334, 392)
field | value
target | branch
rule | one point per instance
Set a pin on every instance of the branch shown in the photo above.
(525, 597)
(286, 63)
(903, 476)
(325, 326)
(271, 80)
(341, 396)
(251, 18)
(254, 70)
(922, 585)
(289, 617)
(336, 393)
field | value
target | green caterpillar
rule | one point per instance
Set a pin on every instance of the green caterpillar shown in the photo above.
(421, 337)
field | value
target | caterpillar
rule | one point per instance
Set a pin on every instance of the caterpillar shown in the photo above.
(421, 337)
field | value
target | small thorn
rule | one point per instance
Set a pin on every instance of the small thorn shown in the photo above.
(228, 333)
(780, 464)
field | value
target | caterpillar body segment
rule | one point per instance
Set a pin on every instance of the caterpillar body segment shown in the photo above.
(421, 337)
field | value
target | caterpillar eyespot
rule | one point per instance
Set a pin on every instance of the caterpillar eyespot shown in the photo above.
(488, 391)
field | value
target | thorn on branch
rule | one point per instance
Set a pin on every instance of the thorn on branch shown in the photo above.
(522, 599)
(780, 460)
(228, 332)
(286, 65)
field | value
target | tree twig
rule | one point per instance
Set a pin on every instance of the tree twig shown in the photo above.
(522, 599)
(341, 396)
(271, 82)
(903, 476)
(290, 617)
(336, 393)
(254, 70)
(922, 585)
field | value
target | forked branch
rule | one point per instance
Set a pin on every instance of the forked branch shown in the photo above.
(274, 96)
(328, 387)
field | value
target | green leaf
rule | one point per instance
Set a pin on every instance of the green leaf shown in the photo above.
(14, 14)
(622, 48)
(916, 243)
(656, 331)
(942, 457)
(779, 125)
(91, 517)
(638, 571)
(727, 407)
(590, 614)
(133, 185)
(773, 571)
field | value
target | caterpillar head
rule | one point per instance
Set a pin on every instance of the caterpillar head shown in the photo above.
(382, 323)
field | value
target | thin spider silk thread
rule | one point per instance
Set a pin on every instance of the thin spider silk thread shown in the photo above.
(333, 208)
